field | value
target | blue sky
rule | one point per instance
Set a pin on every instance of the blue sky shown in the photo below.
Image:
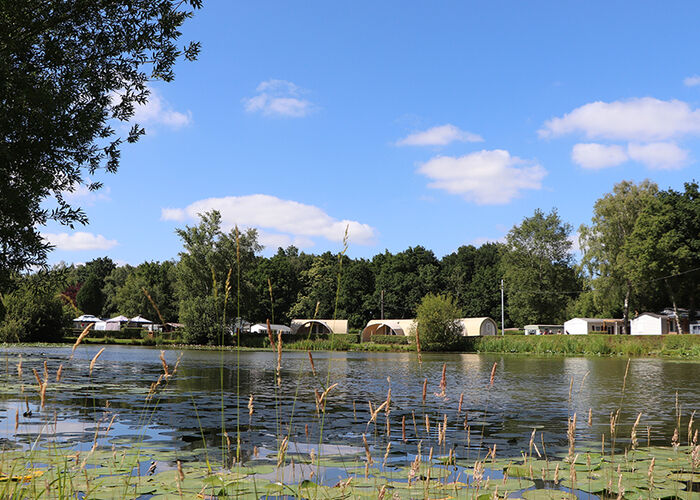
(417, 123)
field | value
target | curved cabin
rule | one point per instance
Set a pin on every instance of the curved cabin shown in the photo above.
(316, 326)
(387, 327)
(478, 327)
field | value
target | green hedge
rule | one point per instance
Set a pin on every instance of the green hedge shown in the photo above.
(257, 340)
(389, 339)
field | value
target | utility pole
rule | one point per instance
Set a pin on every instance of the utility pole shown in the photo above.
(503, 314)
(382, 303)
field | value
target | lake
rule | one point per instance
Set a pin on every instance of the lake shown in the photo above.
(190, 410)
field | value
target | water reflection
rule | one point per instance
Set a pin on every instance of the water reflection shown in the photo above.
(210, 394)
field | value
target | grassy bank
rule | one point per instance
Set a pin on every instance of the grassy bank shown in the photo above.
(681, 346)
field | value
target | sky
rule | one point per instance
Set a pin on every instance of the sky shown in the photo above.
(438, 124)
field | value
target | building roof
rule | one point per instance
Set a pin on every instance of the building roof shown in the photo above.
(139, 319)
(88, 318)
(118, 319)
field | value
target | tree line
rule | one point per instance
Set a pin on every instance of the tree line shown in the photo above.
(641, 252)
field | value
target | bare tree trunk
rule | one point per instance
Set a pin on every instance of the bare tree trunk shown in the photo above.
(626, 311)
(675, 309)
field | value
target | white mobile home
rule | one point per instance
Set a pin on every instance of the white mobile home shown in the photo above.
(543, 329)
(651, 324)
(585, 326)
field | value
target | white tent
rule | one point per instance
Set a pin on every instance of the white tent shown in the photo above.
(140, 320)
(262, 328)
(119, 319)
(86, 318)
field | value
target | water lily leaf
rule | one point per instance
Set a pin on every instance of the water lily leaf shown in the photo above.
(546, 494)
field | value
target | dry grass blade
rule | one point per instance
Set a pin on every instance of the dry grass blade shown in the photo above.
(269, 335)
(59, 372)
(368, 455)
(94, 360)
(165, 365)
(325, 393)
(425, 388)
(279, 359)
(375, 412)
(493, 374)
(311, 360)
(420, 358)
(443, 382)
(148, 296)
(80, 338)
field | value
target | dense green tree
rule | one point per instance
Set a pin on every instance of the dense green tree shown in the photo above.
(356, 292)
(112, 283)
(211, 258)
(405, 278)
(156, 278)
(604, 242)
(436, 322)
(538, 269)
(33, 313)
(68, 70)
(281, 274)
(319, 287)
(90, 298)
(664, 249)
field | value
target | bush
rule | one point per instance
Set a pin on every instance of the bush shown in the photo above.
(437, 324)
(33, 315)
(389, 339)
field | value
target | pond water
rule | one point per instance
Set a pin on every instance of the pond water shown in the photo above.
(191, 409)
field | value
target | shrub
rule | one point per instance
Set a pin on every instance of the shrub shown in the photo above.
(389, 339)
(33, 315)
(437, 324)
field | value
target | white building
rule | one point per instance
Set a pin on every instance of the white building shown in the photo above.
(652, 324)
(585, 326)
(275, 329)
(543, 329)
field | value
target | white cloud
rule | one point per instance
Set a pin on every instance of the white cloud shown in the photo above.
(597, 156)
(691, 81)
(278, 98)
(638, 119)
(484, 177)
(79, 241)
(298, 220)
(81, 193)
(277, 240)
(158, 111)
(658, 155)
(176, 214)
(439, 136)
(482, 240)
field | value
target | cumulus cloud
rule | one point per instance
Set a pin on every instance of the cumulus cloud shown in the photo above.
(484, 177)
(692, 81)
(158, 111)
(79, 241)
(278, 217)
(277, 240)
(658, 155)
(643, 119)
(278, 98)
(482, 240)
(597, 156)
(82, 194)
(439, 136)
(176, 214)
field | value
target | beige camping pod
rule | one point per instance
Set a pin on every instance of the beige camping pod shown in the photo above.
(387, 327)
(305, 326)
(475, 327)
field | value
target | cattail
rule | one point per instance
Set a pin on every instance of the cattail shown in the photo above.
(590, 417)
(690, 426)
(59, 372)
(325, 393)
(368, 455)
(466, 420)
(461, 400)
(272, 339)
(80, 338)
(36, 376)
(282, 452)
(250, 406)
(16, 419)
(427, 425)
(620, 489)
(633, 435)
(650, 473)
(46, 371)
(279, 359)
(425, 388)
(556, 474)
(420, 358)
(386, 455)
(571, 435)
(443, 383)
(165, 365)
(375, 412)
(493, 374)
(674, 439)
(94, 360)
(403, 428)
(311, 361)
